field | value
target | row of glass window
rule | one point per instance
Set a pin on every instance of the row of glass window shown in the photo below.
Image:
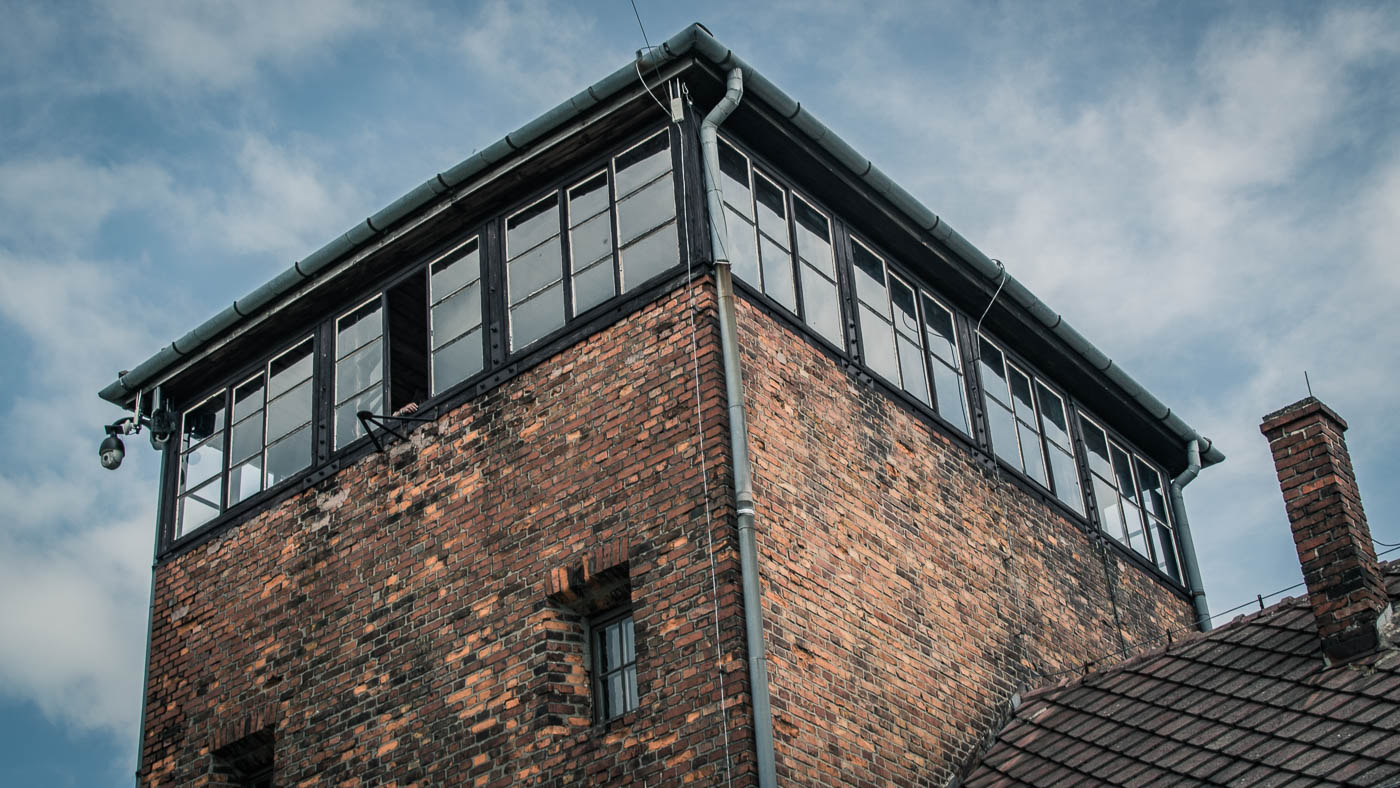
(423, 336)
(603, 235)
(783, 246)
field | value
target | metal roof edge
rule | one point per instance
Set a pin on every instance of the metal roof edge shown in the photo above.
(695, 38)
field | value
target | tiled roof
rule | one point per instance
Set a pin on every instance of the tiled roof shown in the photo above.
(1251, 703)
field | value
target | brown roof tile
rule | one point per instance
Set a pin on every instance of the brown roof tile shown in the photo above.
(1251, 703)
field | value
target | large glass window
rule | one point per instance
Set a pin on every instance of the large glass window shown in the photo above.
(614, 665)
(454, 286)
(898, 342)
(646, 210)
(1131, 500)
(266, 440)
(359, 368)
(591, 243)
(780, 243)
(534, 272)
(1028, 425)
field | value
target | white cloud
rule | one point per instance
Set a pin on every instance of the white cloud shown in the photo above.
(58, 204)
(536, 53)
(223, 44)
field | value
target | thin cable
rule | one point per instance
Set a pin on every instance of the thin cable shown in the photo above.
(640, 25)
(1383, 544)
(638, 62)
(704, 465)
(1001, 282)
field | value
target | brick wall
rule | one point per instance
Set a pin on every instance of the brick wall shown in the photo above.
(418, 617)
(907, 592)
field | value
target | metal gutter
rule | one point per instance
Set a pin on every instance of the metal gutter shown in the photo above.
(694, 40)
(1183, 530)
(738, 432)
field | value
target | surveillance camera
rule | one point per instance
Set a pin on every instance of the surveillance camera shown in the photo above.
(112, 452)
(162, 428)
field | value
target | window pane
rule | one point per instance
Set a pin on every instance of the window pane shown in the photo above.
(593, 286)
(245, 480)
(248, 399)
(906, 320)
(614, 647)
(877, 344)
(1003, 428)
(993, 372)
(532, 226)
(630, 685)
(347, 424)
(642, 163)
(743, 255)
(777, 273)
(1137, 536)
(1097, 446)
(938, 332)
(588, 198)
(870, 278)
(772, 210)
(204, 420)
(813, 238)
(1164, 542)
(649, 256)
(534, 270)
(1123, 474)
(455, 270)
(204, 463)
(353, 374)
(289, 411)
(617, 696)
(1052, 415)
(1110, 514)
(734, 172)
(645, 210)
(1033, 454)
(354, 330)
(199, 507)
(629, 644)
(247, 438)
(1066, 478)
(822, 306)
(948, 390)
(536, 317)
(591, 240)
(911, 369)
(1151, 482)
(288, 456)
(456, 362)
(289, 369)
(456, 314)
(1021, 394)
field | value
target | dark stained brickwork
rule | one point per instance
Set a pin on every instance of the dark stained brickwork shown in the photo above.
(908, 592)
(418, 618)
(402, 623)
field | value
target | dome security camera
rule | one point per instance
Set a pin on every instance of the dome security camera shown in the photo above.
(112, 452)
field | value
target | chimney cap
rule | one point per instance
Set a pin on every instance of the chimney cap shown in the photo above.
(1299, 410)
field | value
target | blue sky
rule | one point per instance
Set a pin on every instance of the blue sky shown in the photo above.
(1210, 192)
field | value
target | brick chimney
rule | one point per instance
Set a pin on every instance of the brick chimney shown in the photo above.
(1345, 587)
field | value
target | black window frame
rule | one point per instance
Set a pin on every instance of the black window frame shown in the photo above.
(599, 626)
(1150, 537)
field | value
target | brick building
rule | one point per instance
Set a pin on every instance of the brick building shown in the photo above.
(477, 495)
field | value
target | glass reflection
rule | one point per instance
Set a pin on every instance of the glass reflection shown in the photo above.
(457, 361)
(355, 329)
(532, 226)
(642, 163)
(649, 256)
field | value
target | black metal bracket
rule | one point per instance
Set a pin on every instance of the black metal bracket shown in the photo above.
(370, 420)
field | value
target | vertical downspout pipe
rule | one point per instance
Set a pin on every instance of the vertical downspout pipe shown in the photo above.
(738, 432)
(1183, 530)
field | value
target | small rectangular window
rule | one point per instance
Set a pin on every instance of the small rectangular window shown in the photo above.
(454, 285)
(591, 243)
(359, 368)
(646, 211)
(739, 214)
(534, 272)
(614, 665)
(821, 303)
(941, 340)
